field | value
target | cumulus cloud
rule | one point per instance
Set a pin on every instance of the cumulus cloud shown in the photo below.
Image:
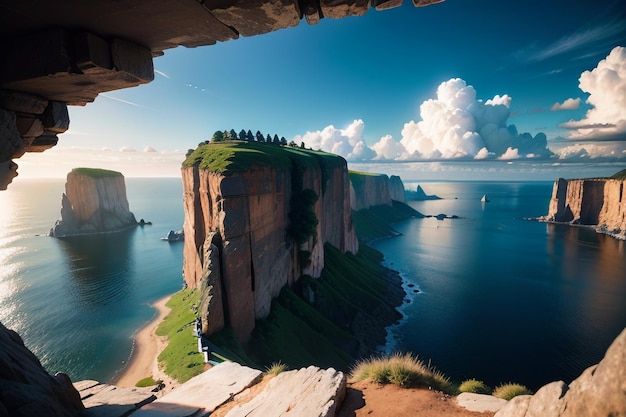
(387, 148)
(347, 142)
(149, 149)
(127, 149)
(569, 104)
(606, 85)
(456, 124)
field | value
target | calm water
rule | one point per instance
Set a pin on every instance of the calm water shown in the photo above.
(77, 302)
(503, 298)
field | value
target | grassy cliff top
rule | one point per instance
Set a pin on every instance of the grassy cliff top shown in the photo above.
(358, 177)
(239, 156)
(620, 175)
(96, 172)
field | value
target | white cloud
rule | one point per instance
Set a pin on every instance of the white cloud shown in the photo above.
(127, 149)
(606, 85)
(511, 153)
(347, 142)
(387, 148)
(162, 74)
(569, 104)
(149, 149)
(458, 125)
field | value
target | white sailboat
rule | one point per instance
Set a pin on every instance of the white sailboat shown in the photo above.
(484, 199)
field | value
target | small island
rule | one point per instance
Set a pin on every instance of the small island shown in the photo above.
(94, 202)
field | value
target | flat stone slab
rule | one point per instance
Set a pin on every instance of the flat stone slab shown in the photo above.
(480, 402)
(307, 392)
(202, 394)
(104, 400)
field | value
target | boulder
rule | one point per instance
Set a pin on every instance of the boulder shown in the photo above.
(599, 391)
(480, 402)
(26, 389)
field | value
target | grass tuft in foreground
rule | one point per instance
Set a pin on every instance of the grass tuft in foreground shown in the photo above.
(474, 386)
(276, 368)
(181, 359)
(404, 370)
(510, 390)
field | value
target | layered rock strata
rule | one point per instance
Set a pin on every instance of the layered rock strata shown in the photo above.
(369, 190)
(94, 202)
(594, 202)
(26, 389)
(63, 53)
(237, 244)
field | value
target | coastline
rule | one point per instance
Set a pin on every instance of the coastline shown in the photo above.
(147, 346)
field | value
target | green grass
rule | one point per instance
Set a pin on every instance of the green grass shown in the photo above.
(146, 382)
(620, 175)
(181, 359)
(475, 386)
(240, 156)
(96, 172)
(510, 390)
(376, 222)
(276, 368)
(404, 370)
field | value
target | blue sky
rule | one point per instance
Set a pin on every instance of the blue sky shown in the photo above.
(441, 92)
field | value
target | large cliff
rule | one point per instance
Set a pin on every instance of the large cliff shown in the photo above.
(94, 202)
(596, 202)
(257, 217)
(368, 190)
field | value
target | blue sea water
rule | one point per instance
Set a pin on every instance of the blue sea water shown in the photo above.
(501, 298)
(77, 302)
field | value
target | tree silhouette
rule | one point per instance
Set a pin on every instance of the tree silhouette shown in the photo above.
(259, 136)
(242, 135)
(218, 136)
(249, 136)
(268, 139)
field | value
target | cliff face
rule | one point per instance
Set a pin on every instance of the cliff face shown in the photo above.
(596, 202)
(26, 389)
(94, 202)
(236, 242)
(368, 190)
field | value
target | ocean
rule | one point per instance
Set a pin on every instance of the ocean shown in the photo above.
(502, 298)
(77, 302)
(490, 295)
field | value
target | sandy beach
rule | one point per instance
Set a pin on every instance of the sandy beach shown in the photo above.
(146, 348)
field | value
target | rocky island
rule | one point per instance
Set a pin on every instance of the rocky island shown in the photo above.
(94, 202)
(597, 202)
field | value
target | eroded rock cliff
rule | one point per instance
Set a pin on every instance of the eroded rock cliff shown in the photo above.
(596, 202)
(94, 202)
(26, 389)
(242, 202)
(368, 190)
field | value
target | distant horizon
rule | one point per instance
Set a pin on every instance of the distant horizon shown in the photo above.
(539, 83)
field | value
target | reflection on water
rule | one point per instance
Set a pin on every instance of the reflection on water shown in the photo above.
(101, 266)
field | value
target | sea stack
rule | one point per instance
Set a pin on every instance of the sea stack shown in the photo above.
(94, 202)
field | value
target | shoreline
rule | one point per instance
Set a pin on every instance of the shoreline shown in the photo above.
(147, 346)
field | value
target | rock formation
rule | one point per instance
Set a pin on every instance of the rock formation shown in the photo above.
(94, 202)
(82, 50)
(368, 190)
(26, 389)
(598, 202)
(599, 391)
(239, 222)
